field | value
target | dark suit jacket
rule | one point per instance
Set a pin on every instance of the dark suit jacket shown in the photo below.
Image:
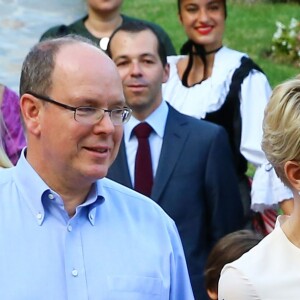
(195, 184)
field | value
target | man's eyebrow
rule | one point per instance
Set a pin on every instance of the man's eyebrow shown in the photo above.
(86, 101)
(119, 103)
(147, 54)
(124, 56)
(95, 102)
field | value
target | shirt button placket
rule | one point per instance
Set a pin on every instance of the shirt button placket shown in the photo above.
(74, 273)
(74, 261)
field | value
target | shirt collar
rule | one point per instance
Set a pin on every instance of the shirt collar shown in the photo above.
(157, 120)
(94, 199)
(36, 192)
(32, 187)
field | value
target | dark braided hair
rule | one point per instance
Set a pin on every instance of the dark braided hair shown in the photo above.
(190, 48)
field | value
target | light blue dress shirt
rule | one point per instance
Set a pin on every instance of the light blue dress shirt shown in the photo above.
(119, 244)
(157, 120)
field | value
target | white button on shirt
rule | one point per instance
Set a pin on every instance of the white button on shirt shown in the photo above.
(51, 196)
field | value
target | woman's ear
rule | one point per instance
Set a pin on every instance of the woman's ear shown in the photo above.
(179, 18)
(292, 173)
(213, 295)
(31, 109)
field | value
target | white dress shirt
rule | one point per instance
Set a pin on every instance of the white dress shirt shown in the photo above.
(157, 120)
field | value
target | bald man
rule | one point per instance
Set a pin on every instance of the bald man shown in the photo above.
(66, 232)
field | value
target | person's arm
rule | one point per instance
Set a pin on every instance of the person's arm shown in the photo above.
(233, 285)
(267, 190)
(225, 211)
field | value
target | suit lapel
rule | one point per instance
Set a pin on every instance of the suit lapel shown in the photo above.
(119, 169)
(174, 139)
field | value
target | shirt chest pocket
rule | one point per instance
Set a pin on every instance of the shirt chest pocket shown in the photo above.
(134, 288)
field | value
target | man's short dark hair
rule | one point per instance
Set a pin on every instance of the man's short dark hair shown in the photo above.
(136, 27)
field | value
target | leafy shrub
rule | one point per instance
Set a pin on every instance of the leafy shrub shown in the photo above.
(286, 42)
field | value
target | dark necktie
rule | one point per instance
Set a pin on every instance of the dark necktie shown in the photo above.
(143, 175)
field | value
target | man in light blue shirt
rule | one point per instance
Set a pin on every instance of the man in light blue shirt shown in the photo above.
(66, 232)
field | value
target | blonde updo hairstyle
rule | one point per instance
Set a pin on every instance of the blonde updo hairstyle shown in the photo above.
(281, 126)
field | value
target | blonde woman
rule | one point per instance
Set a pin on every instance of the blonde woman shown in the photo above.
(271, 269)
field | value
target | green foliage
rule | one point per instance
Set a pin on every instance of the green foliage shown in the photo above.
(286, 42)
(249, 29)
(284, 1)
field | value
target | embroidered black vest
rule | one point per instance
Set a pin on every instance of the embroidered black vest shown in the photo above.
(229, 115)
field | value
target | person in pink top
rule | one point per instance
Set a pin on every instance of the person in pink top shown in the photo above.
(4, 160)
(12, 133)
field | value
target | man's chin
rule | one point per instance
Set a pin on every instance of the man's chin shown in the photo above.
(96, 173)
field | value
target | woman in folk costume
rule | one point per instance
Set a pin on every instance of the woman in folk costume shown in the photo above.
(224, 86)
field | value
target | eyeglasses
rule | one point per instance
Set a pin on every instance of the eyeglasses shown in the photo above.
(91, 115)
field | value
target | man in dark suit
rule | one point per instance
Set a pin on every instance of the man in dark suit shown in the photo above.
(194, 179)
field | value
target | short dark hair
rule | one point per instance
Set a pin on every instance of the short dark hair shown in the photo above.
(38, 66)
(136, 27)
(229, 248)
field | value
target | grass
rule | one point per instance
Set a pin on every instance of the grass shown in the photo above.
(249, 28)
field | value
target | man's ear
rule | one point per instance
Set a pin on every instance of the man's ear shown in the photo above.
(292, 173)
(166, 73)
(31, 109)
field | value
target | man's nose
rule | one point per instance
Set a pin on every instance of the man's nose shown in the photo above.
(136, 69)
(105, 124)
